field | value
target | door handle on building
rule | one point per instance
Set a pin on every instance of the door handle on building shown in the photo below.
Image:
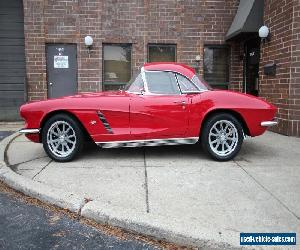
(50, 83)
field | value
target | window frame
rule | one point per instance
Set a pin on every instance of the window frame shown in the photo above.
(138, 92)
(187, 92)
(147, 92)
(163, 45)
(103, 72)
(218, 46)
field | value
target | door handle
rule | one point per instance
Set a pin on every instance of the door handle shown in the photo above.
(50, 83)
(180, 102)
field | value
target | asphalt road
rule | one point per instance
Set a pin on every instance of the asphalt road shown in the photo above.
(26, 226)
(3, 134)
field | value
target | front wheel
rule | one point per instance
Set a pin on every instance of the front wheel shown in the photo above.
(222, 136)
(62, 138)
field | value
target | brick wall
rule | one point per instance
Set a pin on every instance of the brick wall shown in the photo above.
(35, 49)
(294, 91)
(187, 23)
(236, 67)
(283, 89)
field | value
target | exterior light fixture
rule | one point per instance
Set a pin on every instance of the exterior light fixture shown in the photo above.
(197, 60)
(88, 41)
(264, 33)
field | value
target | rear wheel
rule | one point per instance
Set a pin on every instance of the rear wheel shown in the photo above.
(222, 136)
(62, 138)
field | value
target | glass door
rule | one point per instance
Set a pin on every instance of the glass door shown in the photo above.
(251, 66)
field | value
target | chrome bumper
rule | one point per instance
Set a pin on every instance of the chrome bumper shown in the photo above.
(269, 123)
(29, 131)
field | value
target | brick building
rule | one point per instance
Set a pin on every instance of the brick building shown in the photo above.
(217, 37)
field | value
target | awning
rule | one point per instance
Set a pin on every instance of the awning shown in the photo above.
(248, 19)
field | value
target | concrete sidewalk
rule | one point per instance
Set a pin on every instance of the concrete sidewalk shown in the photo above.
(177, 192)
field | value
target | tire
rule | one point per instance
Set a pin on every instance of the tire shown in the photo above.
(221, 144)
(62, 138)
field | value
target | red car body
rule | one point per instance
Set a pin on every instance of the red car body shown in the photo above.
(124, 116)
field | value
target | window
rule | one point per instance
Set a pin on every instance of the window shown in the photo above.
(116, 65)
(186, 85)
(216, 65)
(136, 85)
(162, 83)
(201, 84)
(161, 53)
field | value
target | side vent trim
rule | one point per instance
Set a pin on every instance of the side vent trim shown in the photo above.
(104, 122)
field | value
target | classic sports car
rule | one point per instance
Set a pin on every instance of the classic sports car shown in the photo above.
(166, 104)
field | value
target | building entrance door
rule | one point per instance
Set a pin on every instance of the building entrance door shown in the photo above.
(251, 66)
(61, 70)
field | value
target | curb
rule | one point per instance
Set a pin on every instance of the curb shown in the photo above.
(158, 226)
(35, 189)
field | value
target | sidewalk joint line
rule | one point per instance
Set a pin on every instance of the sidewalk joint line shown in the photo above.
(7, 147)
(269, 192)
(42, 169)
(146, 183)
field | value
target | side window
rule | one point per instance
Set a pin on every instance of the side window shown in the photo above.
(161, 53)
(137, 85)
(116, 65)
(185, 84)
(162, 83)
(216, 65)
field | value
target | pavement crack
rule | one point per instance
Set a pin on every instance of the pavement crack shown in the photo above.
(267, 190)
(86, 201)
(14, 166)
(42, 169)
(146, 183)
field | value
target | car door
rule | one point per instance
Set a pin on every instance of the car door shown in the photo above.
(160, 110)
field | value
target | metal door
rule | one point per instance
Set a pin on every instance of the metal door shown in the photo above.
(12, 59)
(61, 69)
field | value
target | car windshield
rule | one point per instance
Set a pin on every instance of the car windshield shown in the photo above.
(135, 84)
(201, 84)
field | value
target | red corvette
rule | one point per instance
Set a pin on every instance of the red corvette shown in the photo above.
(166, 104)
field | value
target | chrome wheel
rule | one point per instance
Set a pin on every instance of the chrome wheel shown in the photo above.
(61, 139)
(223, 137)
